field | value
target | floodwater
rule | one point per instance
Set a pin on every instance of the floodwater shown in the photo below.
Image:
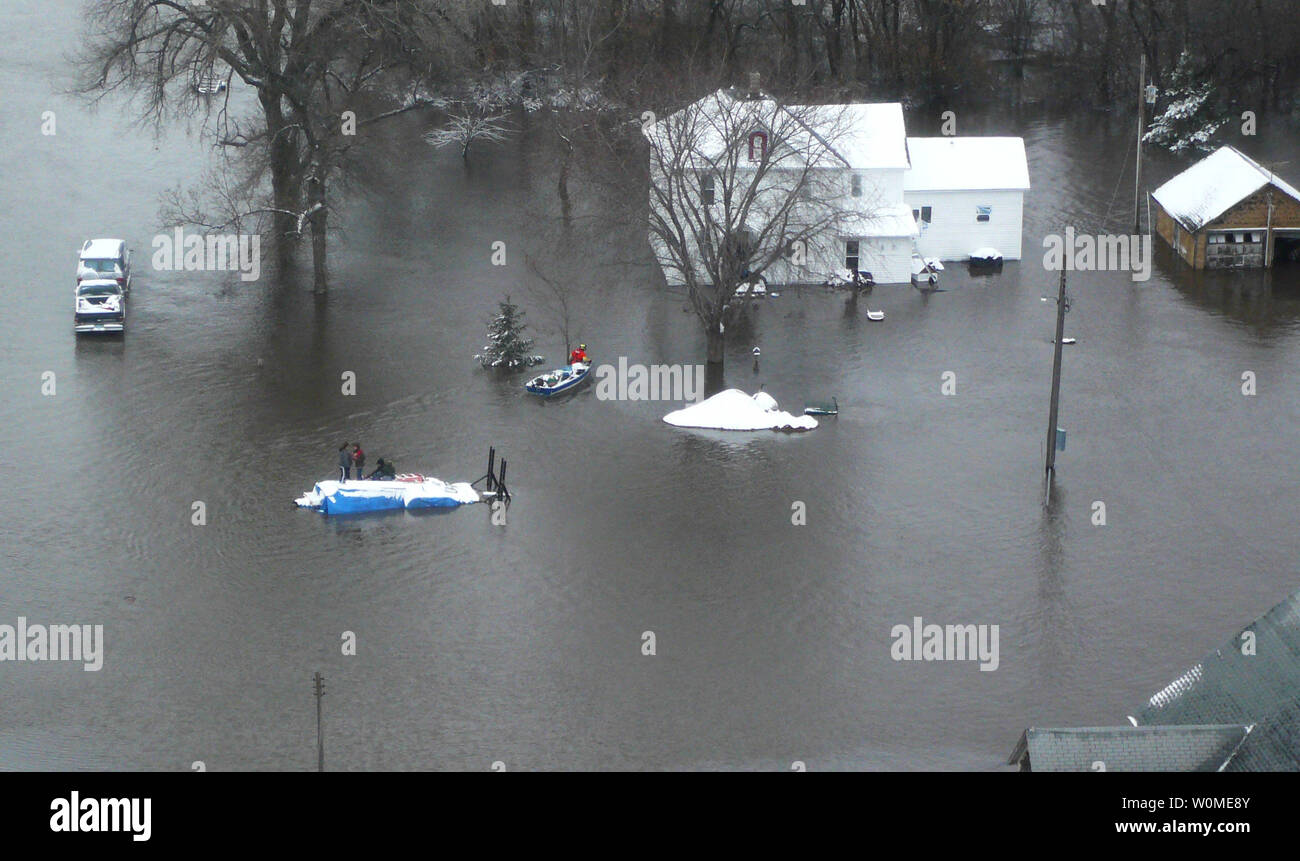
(521, 643)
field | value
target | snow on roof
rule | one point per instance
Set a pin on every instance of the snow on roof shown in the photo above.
(863, 136)
(889, 221)
(966, 164)
(874, 136)
(1214, 185)
(96, 249)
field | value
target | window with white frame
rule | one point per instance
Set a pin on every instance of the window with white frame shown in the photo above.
(851, 258)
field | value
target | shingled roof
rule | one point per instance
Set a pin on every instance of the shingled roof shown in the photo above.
(1128, 748)
(1236, 710)
(1236, 684)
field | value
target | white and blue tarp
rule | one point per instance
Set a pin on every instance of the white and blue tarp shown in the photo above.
(406, 491)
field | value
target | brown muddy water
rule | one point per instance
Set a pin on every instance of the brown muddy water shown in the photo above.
(522, 643)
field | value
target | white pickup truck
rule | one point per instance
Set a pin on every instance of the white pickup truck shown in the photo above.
(101, 306)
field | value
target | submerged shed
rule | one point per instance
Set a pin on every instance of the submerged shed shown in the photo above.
(1228, 211)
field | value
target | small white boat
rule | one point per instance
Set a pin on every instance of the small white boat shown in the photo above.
(875, 315)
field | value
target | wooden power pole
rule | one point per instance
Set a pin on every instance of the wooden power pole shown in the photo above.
(1137, 181)
(1061, 307)
(319, 685)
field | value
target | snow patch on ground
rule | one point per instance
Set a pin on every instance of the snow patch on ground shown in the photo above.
(734, 410)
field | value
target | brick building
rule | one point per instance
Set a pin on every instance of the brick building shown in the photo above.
(1228, 212)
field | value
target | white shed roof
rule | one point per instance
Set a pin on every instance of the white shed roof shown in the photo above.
(1214, 185)
(967, 164)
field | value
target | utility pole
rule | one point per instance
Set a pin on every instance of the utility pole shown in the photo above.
(319, 685)
(1137, 181)
(1062, 305)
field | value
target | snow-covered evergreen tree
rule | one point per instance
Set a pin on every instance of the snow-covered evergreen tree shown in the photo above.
(1191, 115)
(507, 347)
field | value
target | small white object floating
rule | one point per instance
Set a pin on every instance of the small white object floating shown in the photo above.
(1066, 341)
(404, 491)
(734, 410)
(759, 289)
(875, 315)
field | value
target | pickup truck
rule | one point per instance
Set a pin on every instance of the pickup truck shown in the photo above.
(101, 306)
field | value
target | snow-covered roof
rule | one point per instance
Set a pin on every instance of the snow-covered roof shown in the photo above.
(97, 249)
(967, 164)
(1214, 185)
(859, 136)
(889, 221)
(874, 135)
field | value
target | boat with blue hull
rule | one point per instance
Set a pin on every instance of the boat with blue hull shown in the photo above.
(560, 380)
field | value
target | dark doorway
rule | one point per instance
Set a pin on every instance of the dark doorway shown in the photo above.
(1286, 250)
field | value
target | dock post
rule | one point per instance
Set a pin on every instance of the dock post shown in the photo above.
(492, 456)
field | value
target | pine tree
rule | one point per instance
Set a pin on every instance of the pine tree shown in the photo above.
(1191, 116)
(507, 347)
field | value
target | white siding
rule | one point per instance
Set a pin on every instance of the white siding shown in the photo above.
(954, 232)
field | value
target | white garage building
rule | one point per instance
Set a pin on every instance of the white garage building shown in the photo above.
(967, 193)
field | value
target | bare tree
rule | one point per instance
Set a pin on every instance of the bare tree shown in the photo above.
(738, 185)
(464, 128)
(318, 70)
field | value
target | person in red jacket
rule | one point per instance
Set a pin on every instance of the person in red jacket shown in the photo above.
(578, 355)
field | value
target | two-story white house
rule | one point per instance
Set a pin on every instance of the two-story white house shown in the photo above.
(893, 196)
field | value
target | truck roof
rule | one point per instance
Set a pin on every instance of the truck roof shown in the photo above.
(102, 248)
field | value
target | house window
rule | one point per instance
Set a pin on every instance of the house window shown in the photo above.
(983, 213)
(851, 255)
(759, 152)
(857, 185)
(926, 213)
(706, 189)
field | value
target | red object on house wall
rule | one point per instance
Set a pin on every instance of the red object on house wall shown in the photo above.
(762, 153)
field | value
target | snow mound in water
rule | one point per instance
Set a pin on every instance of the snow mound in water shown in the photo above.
(734, 410)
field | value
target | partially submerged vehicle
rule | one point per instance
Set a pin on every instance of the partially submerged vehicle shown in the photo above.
(105, 259)
(100, 306)
(986, 260)
(560, 380)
